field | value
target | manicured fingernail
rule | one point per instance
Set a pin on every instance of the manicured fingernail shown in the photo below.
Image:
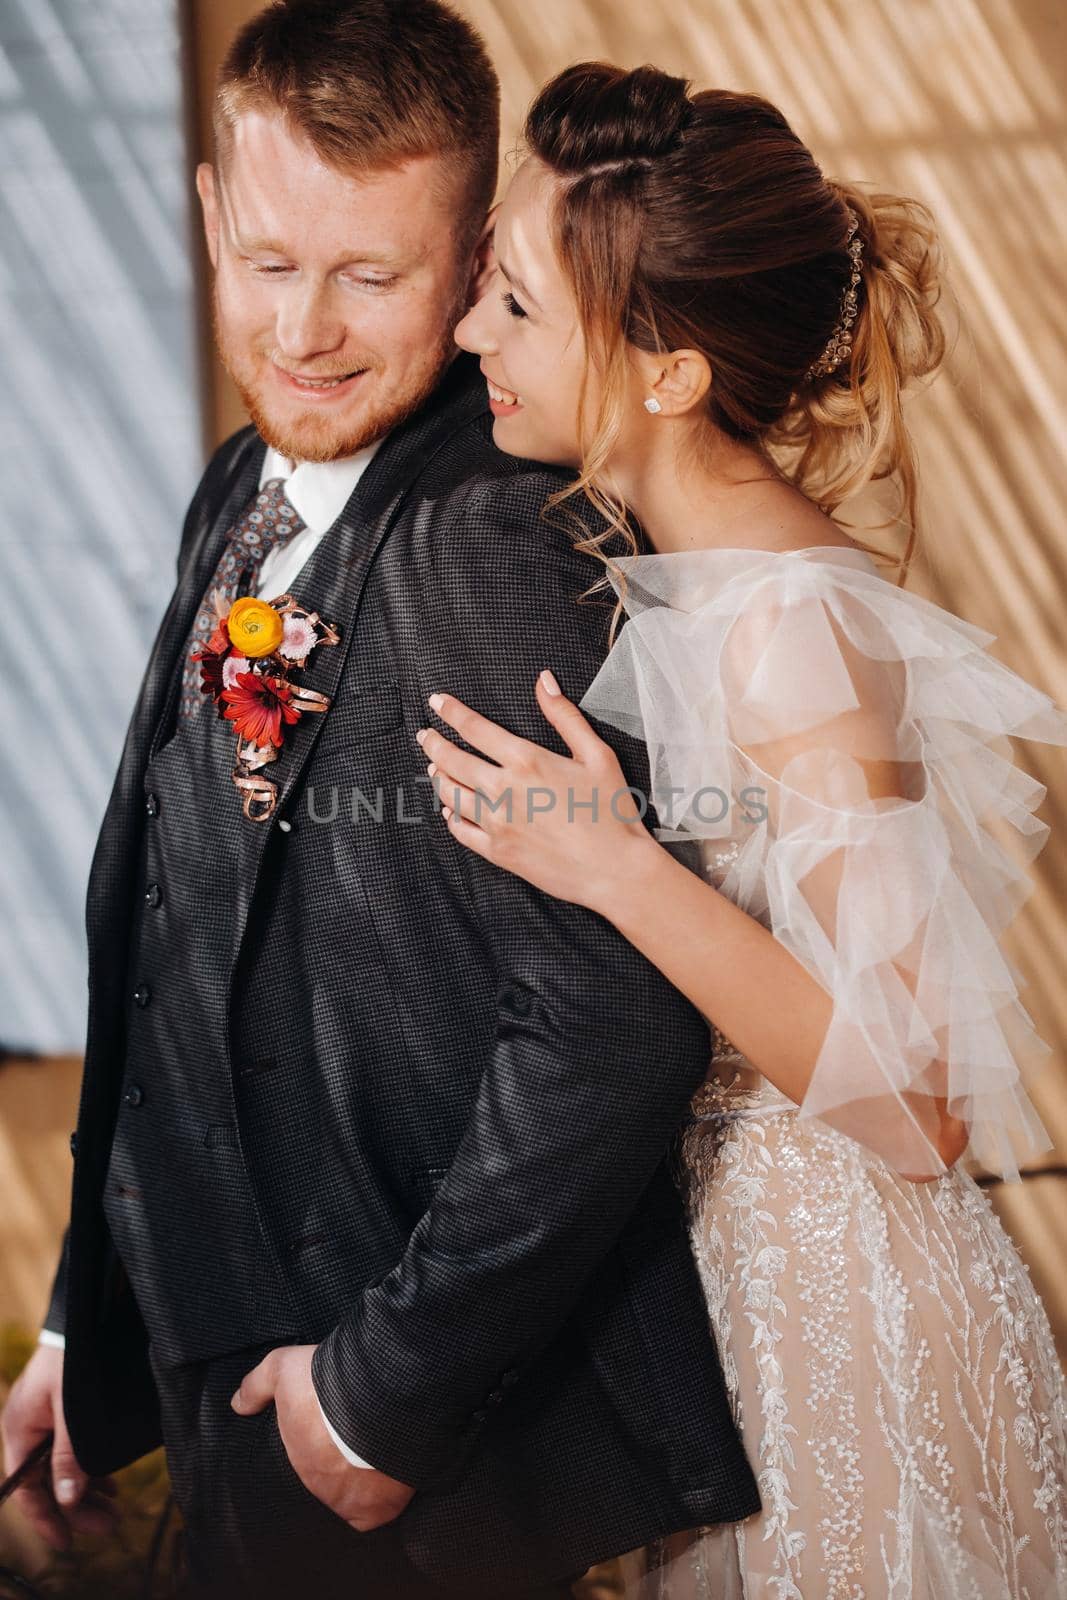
(67, 1489)
(550, 683)
(446, 812)
(235, 1398)
(431, 769)
(420, 736)
(437, 701)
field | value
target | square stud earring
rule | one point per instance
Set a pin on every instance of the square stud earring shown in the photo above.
(652, 404)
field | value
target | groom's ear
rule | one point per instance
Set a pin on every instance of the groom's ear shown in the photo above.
(207, 189)
(483, 264)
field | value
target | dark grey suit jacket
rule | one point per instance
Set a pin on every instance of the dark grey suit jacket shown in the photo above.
(477, 1085)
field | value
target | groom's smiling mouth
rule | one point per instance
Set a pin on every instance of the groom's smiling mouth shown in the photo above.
(312, 388)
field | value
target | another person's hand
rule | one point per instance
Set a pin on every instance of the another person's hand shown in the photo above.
(360, 1496)
(58, 1499)
(567, 824)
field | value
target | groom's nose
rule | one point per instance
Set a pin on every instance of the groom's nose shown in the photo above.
(307, 323)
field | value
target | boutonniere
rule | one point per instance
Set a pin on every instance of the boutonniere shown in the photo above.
(246, 668)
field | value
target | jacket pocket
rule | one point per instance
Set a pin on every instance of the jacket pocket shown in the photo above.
(363, 713)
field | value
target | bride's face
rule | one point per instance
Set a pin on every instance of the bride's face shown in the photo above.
(526, 330)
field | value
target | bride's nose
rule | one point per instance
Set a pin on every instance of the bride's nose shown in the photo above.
(474, 332)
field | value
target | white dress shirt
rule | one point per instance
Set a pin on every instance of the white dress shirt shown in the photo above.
(318, 491)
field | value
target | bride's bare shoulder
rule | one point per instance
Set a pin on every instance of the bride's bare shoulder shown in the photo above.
(787, 520)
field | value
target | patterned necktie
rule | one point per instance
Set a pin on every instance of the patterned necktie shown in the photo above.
(267, 523)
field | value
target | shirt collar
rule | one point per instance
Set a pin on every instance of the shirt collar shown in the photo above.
(318, 491)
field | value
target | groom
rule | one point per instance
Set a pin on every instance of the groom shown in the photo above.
(371, 1224)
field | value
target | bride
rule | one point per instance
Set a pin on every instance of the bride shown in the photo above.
(681, 301)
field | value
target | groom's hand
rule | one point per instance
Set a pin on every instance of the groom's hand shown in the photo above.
(362, 1497)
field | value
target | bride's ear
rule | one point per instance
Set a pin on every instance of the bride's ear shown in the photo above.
(677, 381)
(483, 264)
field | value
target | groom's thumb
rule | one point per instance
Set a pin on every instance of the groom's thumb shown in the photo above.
(68, 1479)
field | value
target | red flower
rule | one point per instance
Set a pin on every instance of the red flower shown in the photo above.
(211, 657)
(258, 706)
(211, 663)
(219, 642)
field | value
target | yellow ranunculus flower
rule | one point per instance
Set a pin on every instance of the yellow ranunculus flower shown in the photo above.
(255, 628)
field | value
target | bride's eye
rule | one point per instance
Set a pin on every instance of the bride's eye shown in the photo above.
(514, 308)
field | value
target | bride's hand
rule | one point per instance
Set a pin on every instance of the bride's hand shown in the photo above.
(564, 823)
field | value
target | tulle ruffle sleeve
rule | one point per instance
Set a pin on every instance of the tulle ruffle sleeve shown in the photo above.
(840, 747)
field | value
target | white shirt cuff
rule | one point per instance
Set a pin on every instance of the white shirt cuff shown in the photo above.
(46, 1336)
(349, 1455)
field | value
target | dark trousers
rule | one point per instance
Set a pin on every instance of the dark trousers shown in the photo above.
(252, 1530)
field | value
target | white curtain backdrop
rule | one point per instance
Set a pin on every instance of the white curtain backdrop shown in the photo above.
(100, 448)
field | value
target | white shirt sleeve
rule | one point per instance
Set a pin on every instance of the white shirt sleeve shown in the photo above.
(46, 1336)
(349, 1455)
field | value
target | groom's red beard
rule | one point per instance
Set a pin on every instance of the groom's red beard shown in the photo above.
(309, 435)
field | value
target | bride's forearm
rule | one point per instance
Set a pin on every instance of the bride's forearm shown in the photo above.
(741, 978)
(732, 969)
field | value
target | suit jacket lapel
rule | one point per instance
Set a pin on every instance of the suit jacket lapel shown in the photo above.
(112, 886)
(333, 585)
(163, 677)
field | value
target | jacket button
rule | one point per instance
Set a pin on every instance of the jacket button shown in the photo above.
(74, 1143)
(153, 895)
(134, 1095)
(142, 994)
(516, 1000)
(151, 805)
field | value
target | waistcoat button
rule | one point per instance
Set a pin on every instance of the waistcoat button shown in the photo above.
(151, 805)
(515, 1000)
(153, 895)
(142, 994)
(134, 1095)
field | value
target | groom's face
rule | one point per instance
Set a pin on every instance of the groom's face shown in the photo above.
(335, 294)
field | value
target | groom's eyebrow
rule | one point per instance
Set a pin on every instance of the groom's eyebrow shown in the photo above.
(256, 242)
(274, 247)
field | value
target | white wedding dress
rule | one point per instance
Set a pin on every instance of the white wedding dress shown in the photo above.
(891, 1366)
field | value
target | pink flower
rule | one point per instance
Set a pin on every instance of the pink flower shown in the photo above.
(300, 638)
(230, 668)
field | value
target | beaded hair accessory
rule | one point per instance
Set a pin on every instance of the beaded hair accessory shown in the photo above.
(839, 346)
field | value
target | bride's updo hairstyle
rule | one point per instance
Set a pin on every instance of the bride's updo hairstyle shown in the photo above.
(702, 222)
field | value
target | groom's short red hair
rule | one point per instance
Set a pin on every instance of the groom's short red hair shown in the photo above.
(372, 83)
